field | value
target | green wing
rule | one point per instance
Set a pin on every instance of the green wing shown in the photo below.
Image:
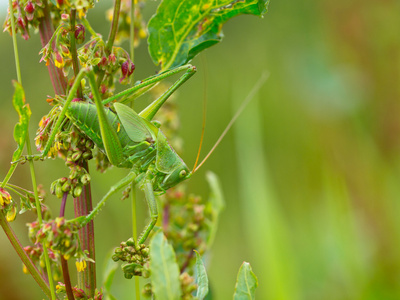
(167, 159)
(135, 127)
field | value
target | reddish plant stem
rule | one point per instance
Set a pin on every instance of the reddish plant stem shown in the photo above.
(46, 32)
(83, 205)
(64, 262)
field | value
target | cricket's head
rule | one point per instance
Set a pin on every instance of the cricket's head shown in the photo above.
(172, 168)
(179, 174)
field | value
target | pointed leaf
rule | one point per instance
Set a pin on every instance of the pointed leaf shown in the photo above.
(24, 112)
(246, 283)
(201, 278)
(216, 200)
(181, 29)
(134, 126)
(164, 269)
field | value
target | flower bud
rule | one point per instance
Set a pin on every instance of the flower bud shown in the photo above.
(80, 33)
(59, 191)
(66, 187)
(5, 197)
(76, 156)
(77, 191)
(11, 214)
(85, 179)
(29, 9)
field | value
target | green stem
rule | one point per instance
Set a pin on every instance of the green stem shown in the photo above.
(132, 31)
(40, 220)
(17, 66)
(114, 26)
(14, 38)
(23, 256)
(134, 233)
(74, 54)
(89, 28)
(111, 36)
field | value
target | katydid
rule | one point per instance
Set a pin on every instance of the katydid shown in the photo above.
(131, 140)
(128, 139)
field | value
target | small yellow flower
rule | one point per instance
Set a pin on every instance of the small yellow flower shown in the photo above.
(5, 197)
(80, 265)
(119, 127)
(59, 61)
(11, 214)
(25, 269)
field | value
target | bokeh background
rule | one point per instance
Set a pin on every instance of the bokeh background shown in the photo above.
(310, 171)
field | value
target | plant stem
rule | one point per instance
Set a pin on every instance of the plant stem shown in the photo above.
(39, 214)
(83, 206)
(74, 55)
(4, 223)
(111, 36)
(132, 31)
(18, 69)
(134, 233)
(64, 262)
(14, 38)
(114, 26)
(24, 257)
(46, 32)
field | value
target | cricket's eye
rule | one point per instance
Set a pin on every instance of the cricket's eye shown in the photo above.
(182, 174)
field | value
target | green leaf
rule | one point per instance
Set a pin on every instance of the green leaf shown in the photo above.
(109, 273)
(164, 269)
(201, 278)
(24, 112)
(181, 29)
(246, 283)
(216, 200)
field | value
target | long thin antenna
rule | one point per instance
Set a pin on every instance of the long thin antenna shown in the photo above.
(203, 128)
(254, 90)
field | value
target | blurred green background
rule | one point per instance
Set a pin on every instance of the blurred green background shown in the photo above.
(310, 171)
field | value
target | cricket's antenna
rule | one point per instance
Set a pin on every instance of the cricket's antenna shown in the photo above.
(246, 101)
(204, 111)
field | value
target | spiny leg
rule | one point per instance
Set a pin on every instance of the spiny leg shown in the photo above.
(115, 188)
(152, 203)
(149, 81)
(149, 112)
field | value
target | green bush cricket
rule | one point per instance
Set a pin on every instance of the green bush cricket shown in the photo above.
(131, 140)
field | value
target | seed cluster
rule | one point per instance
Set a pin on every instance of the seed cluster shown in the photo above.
(136, 258)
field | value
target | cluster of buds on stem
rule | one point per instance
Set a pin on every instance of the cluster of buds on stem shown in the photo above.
(78, 293)
(27, 13)
(136, 258)
(59, 236)
(186, 224)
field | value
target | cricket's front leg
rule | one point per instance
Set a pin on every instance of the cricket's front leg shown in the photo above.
(83, 220)
(152, 203)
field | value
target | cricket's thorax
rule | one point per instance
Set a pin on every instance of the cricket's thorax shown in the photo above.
(153, 156)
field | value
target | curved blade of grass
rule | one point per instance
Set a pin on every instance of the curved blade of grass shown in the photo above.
(246, 283)
(181, 29)
(164, 269)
